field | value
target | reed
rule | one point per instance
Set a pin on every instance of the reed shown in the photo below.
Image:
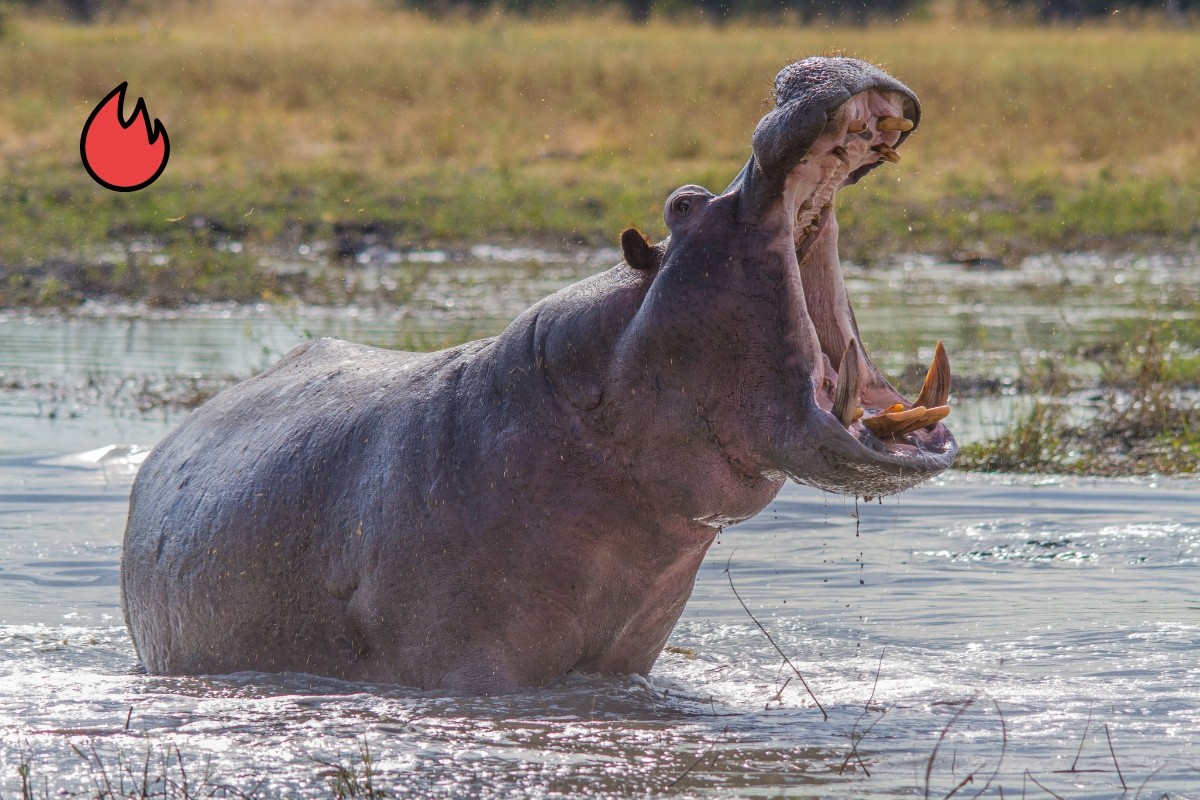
(1146, 422)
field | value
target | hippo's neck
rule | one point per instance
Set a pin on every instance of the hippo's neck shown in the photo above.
(611, 429)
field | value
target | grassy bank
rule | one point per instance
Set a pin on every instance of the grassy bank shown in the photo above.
(295, 121)
(1142, 418)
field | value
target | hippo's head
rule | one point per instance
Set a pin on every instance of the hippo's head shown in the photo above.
(747, 313)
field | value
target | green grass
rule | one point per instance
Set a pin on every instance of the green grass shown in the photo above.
(288, 120)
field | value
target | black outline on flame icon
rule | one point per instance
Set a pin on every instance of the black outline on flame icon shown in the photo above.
(152, 135)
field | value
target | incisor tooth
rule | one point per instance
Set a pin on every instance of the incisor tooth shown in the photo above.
(841, 155)
(936, 389)
(894, 124)
(888, 153)
(857, 126)
(898, 423)
(890, 423)
(930, 416)
(845, 397)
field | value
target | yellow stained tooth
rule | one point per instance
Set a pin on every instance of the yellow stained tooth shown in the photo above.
(894, 124)
(916, 412)
(858, 413)
(857, 126)
(888, 153)
(849, 385)
(892, 409)
(893, 424)
(841, 155)
(930, 417)
(936, 414)
(936, 389)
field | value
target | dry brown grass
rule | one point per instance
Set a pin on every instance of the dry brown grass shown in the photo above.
(259, 87)
(299, 112)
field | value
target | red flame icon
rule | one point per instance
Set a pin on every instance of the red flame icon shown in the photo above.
(119, 155)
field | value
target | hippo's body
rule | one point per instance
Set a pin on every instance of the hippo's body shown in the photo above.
(504, 512)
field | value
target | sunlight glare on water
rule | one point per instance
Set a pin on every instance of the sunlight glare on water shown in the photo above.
(981, 625)
(1012, 611)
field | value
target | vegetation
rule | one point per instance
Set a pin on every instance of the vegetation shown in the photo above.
(1147, 421)
(716, 11)
(296, 122)
(348, 123)
(164, 773)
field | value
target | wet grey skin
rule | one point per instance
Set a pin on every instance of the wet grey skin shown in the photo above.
(499, 514)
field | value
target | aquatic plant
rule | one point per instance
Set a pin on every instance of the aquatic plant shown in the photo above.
(1147, 421)
(354, 779)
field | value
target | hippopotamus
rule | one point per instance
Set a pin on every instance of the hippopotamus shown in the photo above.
(499, 514)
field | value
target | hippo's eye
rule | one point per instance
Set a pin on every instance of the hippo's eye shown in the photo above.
(683, 202)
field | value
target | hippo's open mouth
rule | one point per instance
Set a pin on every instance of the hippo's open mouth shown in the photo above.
(863, 131)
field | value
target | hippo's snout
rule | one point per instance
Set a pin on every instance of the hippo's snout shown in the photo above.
(835, 120)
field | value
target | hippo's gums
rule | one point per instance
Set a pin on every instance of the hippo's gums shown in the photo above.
(498, 514)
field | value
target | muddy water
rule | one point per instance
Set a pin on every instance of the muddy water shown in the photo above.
(981, 626)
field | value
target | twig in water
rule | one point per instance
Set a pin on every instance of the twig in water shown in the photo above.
(1143, 785)
(128, 717)
(866, 710)
(969, 779)
(875, 683)
(703, 756)
(786, 660)
(1029, 775)
(1082, 739)
(854, 742)
(942, 738)
(182, 771)
(778, 698)
(1108, 736)
(1003, 750)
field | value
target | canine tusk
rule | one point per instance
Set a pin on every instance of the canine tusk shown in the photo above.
(841, 155)
(936, 389)
(845, 397)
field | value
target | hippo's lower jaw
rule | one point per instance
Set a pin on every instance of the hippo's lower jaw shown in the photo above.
(871, 439)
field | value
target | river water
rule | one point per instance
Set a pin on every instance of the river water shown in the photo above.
(981, 635)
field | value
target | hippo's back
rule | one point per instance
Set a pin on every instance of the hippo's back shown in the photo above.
(244, 547)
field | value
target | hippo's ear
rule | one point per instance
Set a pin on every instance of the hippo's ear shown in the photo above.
(638, 252)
